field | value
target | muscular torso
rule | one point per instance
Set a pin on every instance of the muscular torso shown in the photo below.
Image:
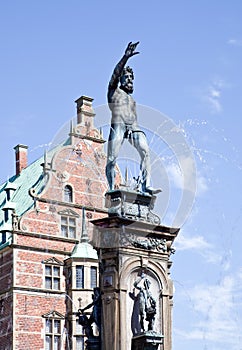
(123, 107)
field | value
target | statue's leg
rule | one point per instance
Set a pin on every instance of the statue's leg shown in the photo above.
(139, 141)
(142, 321)
(115, 141)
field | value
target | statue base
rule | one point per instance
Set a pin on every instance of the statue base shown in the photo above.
(149, 340)
(132, 205)
(93, 343)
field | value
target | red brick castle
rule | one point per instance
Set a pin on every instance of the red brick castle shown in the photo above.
(47, 267)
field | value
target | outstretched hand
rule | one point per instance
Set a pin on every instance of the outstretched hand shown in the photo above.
(130, 51)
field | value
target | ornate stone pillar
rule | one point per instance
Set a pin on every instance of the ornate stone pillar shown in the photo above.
(134, 254)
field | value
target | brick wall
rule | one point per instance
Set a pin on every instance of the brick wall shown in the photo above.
(80, 165)
(6, 322)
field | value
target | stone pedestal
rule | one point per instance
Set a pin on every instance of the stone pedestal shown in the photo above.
(147, 341)
(131, 205)
(131, 243)
(93, 343)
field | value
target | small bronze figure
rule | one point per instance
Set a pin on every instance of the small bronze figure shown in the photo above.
(95, 316)
(147, 304)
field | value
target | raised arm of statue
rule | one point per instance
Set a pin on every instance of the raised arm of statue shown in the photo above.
(129, 52)
(139, 279)
(86, 307)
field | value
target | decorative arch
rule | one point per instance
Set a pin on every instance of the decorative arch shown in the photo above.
(68, 194)
(156, 271)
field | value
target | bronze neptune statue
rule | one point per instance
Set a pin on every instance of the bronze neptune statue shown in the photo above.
(124, 122)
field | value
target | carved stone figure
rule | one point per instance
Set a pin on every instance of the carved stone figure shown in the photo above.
(135, 321)
(95, 316)
(147, 304)
(124, 122)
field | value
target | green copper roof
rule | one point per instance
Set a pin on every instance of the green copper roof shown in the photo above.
(84, 250)
(30, 177)
(20, 199)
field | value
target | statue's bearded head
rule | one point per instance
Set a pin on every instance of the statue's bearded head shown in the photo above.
(126, 80)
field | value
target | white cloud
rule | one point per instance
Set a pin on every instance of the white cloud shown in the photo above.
(215, 104)
(213, 95)
(235, 42)
(193, 242)
(219, 309)
(185, 176)
(202, 184)
(175, 175)
(202, 247)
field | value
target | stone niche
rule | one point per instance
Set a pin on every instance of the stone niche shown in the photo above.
(131, 333)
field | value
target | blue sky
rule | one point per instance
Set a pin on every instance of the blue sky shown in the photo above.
(189, 69)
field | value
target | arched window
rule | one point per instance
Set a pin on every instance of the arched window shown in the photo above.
(68, 194)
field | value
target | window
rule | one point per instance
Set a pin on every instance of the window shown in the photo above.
(68, 223)
(79, 276)
(52, 277)
(68, 194)
(93, 276)
(80, 341)
(52, 334)
(68, 227)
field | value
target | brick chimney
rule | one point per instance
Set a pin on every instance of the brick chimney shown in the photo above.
(85, 112)
(21, 158)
